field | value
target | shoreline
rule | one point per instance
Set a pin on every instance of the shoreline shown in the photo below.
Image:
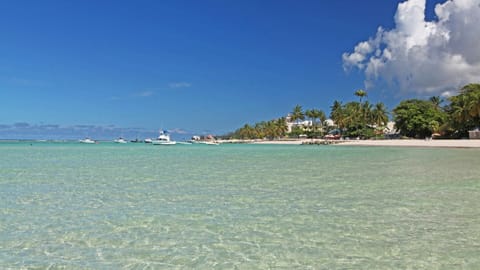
(438, 143)
(460, 143)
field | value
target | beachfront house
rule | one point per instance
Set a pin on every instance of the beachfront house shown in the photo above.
(304, 125)
(390, 131)
(307, 125)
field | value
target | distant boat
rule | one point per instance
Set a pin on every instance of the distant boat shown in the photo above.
(163, 139)
(87, 140)
(210, 143)
(147, 140)
(135, 141)
(203, 142)
(208, 140)
(120, 140)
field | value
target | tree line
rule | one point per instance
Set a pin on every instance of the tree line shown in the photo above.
(414, 118)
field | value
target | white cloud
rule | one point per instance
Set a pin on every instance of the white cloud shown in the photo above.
(147, 93)
(179, 85)
(177, 131)
(424, 57)
(447, 94)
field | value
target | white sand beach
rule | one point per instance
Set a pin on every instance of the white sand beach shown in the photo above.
(397, 143)
(290, 142)
(415, 143)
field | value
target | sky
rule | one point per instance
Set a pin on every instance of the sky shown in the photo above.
(104, 69)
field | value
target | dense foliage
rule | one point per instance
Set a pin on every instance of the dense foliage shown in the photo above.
(271, 130)
(413, 118)
(464, 111)
(359, 119)
(418, 118)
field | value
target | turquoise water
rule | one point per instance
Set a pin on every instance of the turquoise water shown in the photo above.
(139, 206)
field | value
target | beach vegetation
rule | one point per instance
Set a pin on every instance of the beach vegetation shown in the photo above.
(417, 118)
(317, 118)
(297, 114)
(437, 102)
(451, 117)
(464, 111)
(271, 130)
(359, 119)
(361, 94)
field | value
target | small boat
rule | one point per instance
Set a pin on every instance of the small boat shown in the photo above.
(211, 143)
(147, 140)
(87, 141)
(163, 139)
(120, 140)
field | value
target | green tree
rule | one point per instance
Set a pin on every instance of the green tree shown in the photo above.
(320, 115)
(354, 119)
(244, 133)
(464, 110)
(337, 114)
(418, 118)
(379, 115)
(436, 101)
(281, 125)
(472, 91)
(297, 114)
(366, 110)
(314, 115)
(361, 94)
(311, 115)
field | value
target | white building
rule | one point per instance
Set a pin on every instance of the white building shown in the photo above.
(305, 124)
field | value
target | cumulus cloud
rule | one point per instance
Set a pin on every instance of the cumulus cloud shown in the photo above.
(420, 56)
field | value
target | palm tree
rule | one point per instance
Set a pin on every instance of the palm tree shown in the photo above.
(311, 114)
(336, 113)
(260, 130)
(361, 94)
(458, 108)
(465, 107)
(380, 114)
(320, 115)
(281, 124)
(246, 132)
(366, 113)
(436, 101)
(297, 114)
(472, 91)
(315, 114)
(352, 114)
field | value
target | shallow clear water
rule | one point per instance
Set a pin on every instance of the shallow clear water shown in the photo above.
(139, 206)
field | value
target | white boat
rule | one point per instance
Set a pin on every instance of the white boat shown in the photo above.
(87, 140)
(211, 143)
(120, 140)
(147, 140)
(163, 139)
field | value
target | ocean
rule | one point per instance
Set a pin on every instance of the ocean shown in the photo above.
(137, 206)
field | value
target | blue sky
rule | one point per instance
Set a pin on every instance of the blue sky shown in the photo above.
(196, 66)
